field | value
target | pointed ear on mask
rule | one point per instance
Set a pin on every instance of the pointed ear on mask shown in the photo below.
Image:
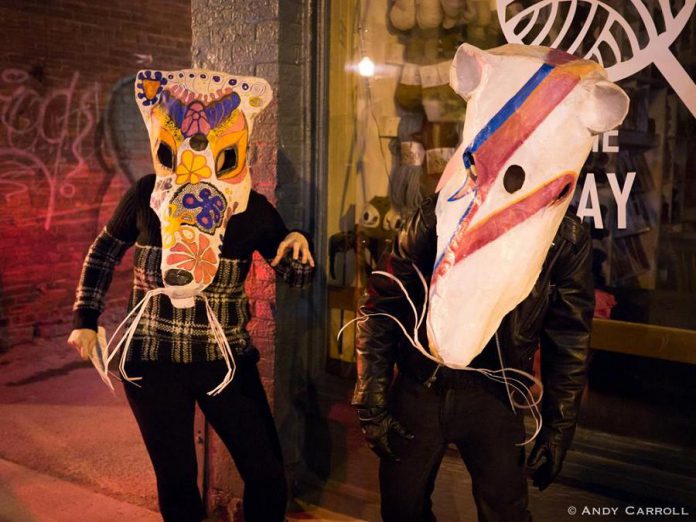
(148, 87)
(255, 99)
(605, 106)
(466, 70)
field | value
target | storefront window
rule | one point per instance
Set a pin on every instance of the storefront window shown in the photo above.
(394, 122)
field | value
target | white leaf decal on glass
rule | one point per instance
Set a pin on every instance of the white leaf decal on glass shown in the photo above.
(594, 29)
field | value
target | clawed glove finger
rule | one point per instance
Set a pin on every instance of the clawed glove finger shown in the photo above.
(400, 430)
(543, 477)
(382, 449)
(376, 425)
(537, 458)
(543, 465)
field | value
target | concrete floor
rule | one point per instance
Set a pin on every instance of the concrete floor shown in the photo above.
(352, 486)
(71, 451)
(60, 421)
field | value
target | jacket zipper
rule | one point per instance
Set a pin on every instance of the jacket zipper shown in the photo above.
(540, 302)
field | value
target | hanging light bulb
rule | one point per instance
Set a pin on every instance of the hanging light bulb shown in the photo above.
(366, 67)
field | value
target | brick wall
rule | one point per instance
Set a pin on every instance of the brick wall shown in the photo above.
(68, 150)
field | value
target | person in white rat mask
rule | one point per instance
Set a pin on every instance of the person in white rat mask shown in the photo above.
(195, 224)
(491, 267)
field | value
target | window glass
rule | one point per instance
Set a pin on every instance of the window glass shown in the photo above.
(394, 122)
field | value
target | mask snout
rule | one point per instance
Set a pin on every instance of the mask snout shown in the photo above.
(177, 277)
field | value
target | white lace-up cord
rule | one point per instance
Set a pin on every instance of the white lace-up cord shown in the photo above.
(138, 310)
(125, 340)
(517, 385)
(224, 346)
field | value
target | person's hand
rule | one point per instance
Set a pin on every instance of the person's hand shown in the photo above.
(545, 462)
(376, 424)
(299, 246)
(84, 340)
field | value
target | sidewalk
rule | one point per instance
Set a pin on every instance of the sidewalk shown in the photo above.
(60, 420)
(29, 496)
(70, 450)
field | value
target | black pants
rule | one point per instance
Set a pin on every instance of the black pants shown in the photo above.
(164, 409)
(477, 418)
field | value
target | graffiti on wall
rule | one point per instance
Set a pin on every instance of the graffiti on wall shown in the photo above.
(52, 140)
(44, 136)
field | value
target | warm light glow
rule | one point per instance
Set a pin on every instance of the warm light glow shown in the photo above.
(366, 67)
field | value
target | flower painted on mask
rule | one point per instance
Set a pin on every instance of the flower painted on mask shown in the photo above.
(211, 208)
(195, 257)
(195, 120)
(192, 168)
(201, 205)
(172, 231)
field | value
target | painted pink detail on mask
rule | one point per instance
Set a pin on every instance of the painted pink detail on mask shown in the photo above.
(195, 121)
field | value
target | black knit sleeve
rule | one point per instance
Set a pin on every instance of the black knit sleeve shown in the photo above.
(104, 254)
(123, 224)
(273, 231)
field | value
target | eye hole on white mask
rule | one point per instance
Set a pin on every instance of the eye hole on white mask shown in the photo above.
(370, 217)
(226, 160)
(165, 155)
(513, 178)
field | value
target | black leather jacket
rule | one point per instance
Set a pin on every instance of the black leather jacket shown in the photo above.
(556, 316)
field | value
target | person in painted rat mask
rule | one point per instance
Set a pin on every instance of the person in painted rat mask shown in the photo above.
(489, 268)
(195, 224)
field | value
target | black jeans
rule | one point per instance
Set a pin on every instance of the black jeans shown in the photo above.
(164, 409)
(476, 417)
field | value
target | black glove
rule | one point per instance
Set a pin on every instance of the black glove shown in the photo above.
(546, 460)
(376, 423)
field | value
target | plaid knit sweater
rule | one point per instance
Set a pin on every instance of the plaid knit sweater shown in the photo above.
(166, 333)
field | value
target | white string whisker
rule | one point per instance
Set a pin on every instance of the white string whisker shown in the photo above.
(133, 311)
(425, 293)
(128, 336)
(408, 297)
(531, 406)
(137, 312)
(224, 346)
(365, 317)
(500, 376)
(537, 400)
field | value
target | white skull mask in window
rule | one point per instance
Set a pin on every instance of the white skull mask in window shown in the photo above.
(199, 124)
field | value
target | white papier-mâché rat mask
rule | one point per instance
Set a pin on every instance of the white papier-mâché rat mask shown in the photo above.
(531, 116)
(199, 123)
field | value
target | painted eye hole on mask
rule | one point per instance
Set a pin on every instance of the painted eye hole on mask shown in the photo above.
(165, 155)
(513, 178)
(226, 160)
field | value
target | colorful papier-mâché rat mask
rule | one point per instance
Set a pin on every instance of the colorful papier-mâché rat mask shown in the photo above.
(199, 123)
(531, 116)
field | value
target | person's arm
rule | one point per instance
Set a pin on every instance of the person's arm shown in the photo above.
(104, 254)
(377, 336)
(565, 339)
(289, 252)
